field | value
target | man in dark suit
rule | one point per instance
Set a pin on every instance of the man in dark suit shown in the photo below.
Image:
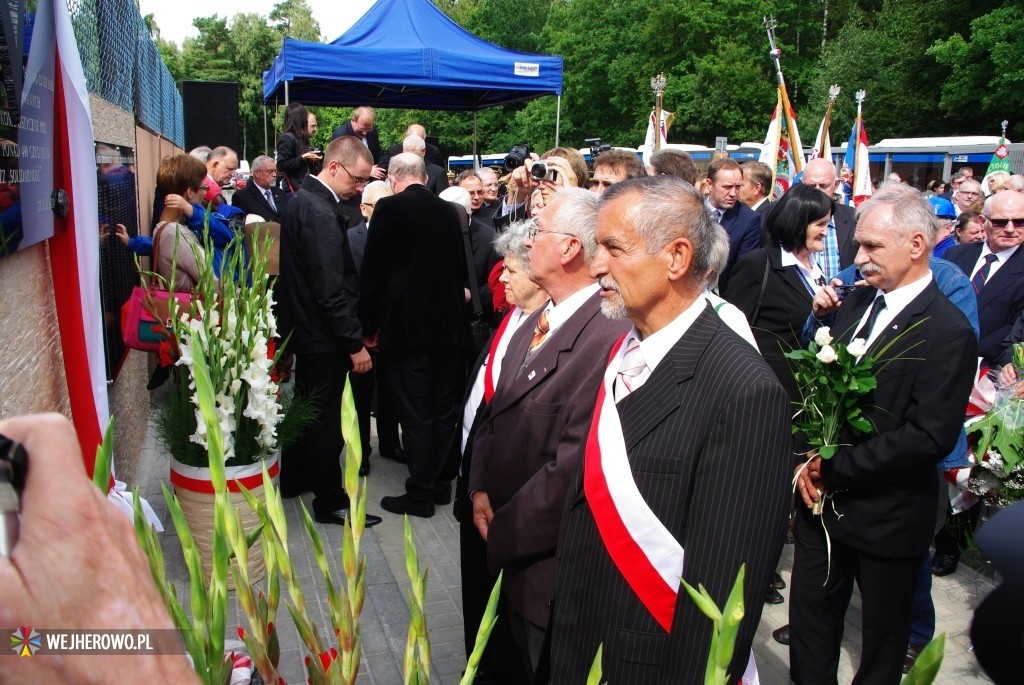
(840, 247)
(317, 292)
(1001, 289)
(481, 243)
(437, 178)
(528, 439)
(996, 270)
(361, 125)
(880, 488)
(723, 206)
(474, 185)
(433, 155)
(687, 416)
(253, 198)
(412, 305)
(756, 190)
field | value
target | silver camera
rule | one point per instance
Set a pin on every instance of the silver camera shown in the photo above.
(543, 171)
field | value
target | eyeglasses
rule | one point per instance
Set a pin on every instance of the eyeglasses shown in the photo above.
(1017, 223)
(535, 231)
(970, 193)
(358, 180)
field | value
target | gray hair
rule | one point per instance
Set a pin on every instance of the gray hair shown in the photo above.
(414, 144)
(910, 212)
(459, 196)
(1014, 182)
(220, 153)
(577, 215)
(407, 165)
(263, 161)
(202, 153)
(670, 208)
(511, 244)
(375, 191)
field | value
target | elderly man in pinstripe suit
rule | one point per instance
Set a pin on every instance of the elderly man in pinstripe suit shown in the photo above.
(684, 472)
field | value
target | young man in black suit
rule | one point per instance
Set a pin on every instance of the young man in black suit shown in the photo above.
(361, 125)
(317, 292)
(252, 199)
(688, 452)
(880, 488)
(412, 306)
(723, 206)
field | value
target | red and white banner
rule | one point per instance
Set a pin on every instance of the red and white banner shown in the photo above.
(74, 248)
(642, 548)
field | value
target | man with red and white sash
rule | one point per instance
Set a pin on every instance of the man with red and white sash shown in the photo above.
(685, 467)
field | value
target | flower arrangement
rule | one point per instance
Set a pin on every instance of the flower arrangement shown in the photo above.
(234, 324)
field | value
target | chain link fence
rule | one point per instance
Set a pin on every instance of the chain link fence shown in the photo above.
(123, 65)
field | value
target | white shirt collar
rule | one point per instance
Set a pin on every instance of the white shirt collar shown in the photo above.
(814, 276)
(895, 302)
(560, 313)
(656, 346)
(1003, 254)
(336, 198)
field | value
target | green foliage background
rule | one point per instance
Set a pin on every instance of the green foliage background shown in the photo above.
(942, 67)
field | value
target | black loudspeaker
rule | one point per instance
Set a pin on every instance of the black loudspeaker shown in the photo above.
(211, 114)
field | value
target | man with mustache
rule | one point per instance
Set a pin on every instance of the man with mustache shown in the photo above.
(685, 467)
(880, 488)
(527, 439)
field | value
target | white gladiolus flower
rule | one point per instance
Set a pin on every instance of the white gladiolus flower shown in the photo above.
(826, 355)
(823, 336)
(858, 347)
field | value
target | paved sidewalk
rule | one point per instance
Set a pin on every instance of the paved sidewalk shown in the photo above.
(385, 617)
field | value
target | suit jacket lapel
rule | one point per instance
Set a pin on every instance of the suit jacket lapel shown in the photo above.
(790, 276)
(522, 379)
(1009, 274)
(642, 411)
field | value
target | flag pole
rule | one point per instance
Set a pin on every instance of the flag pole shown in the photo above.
(859, 95)
(833, 94)
(794, 137)
(658, 86)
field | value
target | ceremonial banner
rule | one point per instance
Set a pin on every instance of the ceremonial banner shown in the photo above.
(822, 144)
(861, 180)
(666, 124)
(776, 153)
(1000, 161)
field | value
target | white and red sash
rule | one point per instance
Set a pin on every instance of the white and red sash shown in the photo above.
(642, 548)
(491, 355)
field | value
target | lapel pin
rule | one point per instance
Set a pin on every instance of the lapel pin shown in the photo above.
(532, 374)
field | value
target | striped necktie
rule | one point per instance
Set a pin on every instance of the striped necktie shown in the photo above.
(631, 367)
(979, 278)
(540, 331)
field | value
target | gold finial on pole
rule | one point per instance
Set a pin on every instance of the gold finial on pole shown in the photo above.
(658, 86)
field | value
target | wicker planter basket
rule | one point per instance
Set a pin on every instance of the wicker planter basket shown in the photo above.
(194, 491)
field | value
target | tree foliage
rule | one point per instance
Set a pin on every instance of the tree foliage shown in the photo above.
(924, 72)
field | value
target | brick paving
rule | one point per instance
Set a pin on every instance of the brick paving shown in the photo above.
(385, 617)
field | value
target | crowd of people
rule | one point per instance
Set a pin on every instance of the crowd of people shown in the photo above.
(595, 360)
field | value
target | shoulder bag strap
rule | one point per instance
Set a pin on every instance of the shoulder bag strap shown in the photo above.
(764, 282)
(473, 294)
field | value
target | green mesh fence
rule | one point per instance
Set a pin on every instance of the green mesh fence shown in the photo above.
(122, 64)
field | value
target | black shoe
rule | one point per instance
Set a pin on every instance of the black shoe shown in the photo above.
(341, 515)
(159, 377)
(773, 596)
(404, 504)
(290, 493)
(364, 468)
(913, 651)
(944, 564)
(781, 635)
(777, 582)
(443, 495)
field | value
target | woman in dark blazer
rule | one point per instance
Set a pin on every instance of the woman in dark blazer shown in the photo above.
(774, 286)
(295, 159)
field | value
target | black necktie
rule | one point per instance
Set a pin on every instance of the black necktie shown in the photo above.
(876, 308)
(979, 278)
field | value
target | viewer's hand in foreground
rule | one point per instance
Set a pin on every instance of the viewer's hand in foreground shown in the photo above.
(827, 300)
(482, 513)
(361, 362)
(77, 565)
(809, 481)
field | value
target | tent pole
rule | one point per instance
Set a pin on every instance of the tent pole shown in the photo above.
(476, 159)
(266, 140)
(286, 94)
(558, 119)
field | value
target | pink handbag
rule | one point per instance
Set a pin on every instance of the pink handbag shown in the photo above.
(145, 317)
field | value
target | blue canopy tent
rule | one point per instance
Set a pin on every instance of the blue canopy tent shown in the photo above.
(409, 54)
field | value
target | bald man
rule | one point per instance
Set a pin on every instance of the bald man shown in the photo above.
(432, 155)
(840, 248)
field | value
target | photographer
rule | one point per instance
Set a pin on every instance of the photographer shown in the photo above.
(564, 167)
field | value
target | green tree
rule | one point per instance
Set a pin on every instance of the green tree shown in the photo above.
(294, 19)
(253, 45)
(985, 72)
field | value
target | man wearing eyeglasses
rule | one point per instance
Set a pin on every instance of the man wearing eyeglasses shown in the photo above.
(261, 196)
(361, 125)
(968, 193)
(529, 434)
(317, 293)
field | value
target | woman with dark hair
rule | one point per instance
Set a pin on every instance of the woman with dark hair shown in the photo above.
(936, 187)
(775, 286)
(295, 158)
